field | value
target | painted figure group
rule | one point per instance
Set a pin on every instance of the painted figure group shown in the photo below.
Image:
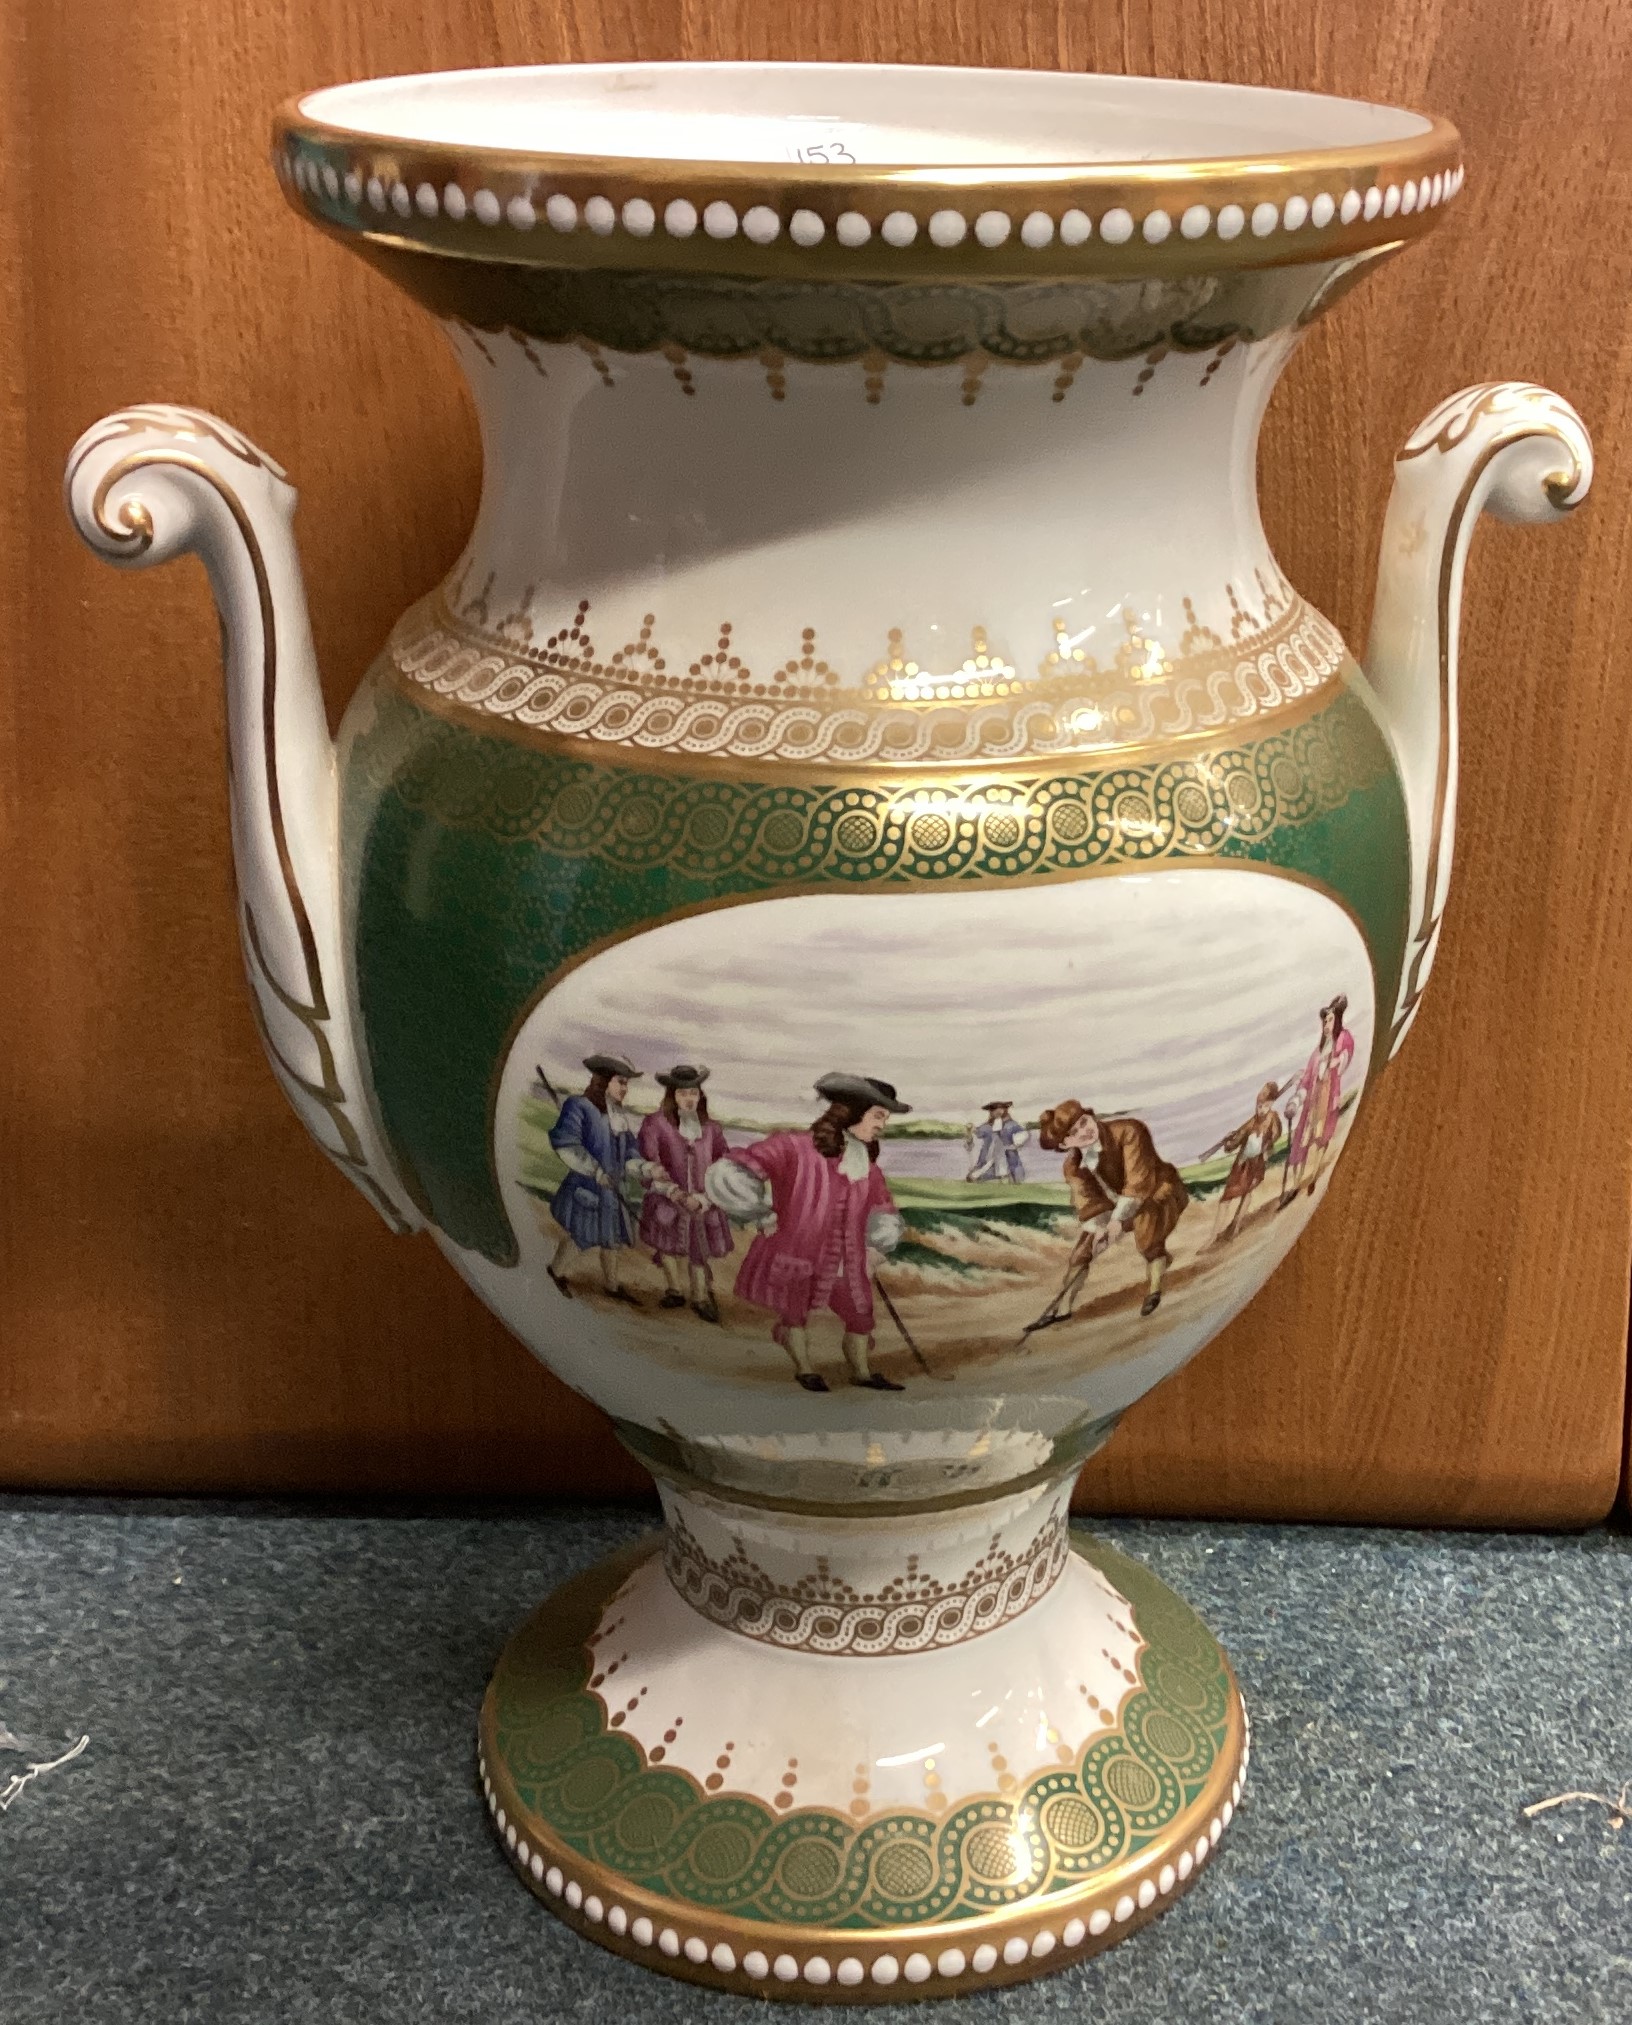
(1314, 1103)
(821, 1211)
(817, 1201)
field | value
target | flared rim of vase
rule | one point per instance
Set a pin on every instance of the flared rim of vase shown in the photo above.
(860, 171)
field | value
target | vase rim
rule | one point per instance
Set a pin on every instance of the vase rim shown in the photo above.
(860, 171)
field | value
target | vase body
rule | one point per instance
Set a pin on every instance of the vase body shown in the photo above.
(943, 721)
(861, 918)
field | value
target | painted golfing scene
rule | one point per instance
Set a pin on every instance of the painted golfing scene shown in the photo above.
(838, 1140)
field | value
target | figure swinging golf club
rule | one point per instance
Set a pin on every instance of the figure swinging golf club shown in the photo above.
(1118, 1183)
(823, 1212)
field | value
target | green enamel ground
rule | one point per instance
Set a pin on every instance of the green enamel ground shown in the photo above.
(733, 1853)
(476, 867)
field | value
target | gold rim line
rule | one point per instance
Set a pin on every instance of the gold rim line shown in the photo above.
(1439, 138)
(828, 190)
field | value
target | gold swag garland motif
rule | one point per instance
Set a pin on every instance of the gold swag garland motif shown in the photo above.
(824, 1613)
(644, 698)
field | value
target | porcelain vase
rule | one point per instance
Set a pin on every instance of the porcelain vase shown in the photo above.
(860, 918)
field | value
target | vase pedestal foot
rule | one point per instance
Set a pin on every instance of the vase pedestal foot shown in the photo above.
(850, 1797)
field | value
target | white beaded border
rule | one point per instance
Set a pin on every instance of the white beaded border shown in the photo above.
(849, 1971)
(762, 225)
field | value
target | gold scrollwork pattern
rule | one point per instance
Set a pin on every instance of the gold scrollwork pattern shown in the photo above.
(822, 1612)
(869, 831)
(1535, 411)
(643, 697)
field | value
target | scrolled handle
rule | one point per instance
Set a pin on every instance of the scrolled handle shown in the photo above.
(1506, 447)
(152, 483)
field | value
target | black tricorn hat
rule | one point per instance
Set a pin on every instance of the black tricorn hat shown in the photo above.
(999, 1104)
(610, 1065)
(868, 1090)
(683, 1076)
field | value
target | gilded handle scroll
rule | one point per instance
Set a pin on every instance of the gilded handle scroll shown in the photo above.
(152, 483)
(1507, 448)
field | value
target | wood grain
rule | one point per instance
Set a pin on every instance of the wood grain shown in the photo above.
(190, 1298)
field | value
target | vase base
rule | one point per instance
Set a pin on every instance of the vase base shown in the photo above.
(1063, 1847)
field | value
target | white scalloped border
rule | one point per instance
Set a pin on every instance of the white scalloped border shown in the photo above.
(762, 225)
(850, 1972)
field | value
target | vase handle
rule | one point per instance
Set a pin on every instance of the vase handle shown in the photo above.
(152, 483)
(1506, 448)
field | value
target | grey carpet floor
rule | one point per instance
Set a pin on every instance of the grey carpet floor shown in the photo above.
(276, 1821)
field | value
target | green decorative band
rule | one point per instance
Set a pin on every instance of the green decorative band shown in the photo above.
(655, 1828)
(931, 323)
(930, 831)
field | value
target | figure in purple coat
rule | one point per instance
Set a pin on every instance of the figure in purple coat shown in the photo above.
(823, 1211)
(680, 1143)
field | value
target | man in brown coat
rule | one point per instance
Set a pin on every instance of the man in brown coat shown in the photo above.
(1119, 1183)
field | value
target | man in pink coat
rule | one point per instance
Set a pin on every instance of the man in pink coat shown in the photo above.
(823, 1209)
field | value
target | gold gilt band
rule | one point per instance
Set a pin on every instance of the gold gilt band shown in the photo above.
(852, 222)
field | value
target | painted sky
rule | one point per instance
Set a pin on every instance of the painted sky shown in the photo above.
(1172, 995)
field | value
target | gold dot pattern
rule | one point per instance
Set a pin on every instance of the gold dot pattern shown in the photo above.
(897, 711)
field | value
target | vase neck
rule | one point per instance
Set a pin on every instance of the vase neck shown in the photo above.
(839, 525)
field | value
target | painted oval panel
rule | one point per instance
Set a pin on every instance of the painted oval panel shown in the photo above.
(1021, 1151)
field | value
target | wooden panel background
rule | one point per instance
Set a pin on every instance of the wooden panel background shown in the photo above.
(189, 1297)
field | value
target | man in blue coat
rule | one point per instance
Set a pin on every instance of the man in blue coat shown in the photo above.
(994, 1148)
(595, 1137)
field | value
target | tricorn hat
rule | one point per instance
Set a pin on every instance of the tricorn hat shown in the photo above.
(1056, 1123)
(609, 1065)
(868, 1090)
(683, 1076)
(999, 1104)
